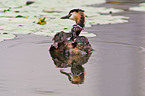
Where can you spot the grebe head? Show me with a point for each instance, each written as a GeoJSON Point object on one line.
{"type": "Point", "coordinates": [77, 15]}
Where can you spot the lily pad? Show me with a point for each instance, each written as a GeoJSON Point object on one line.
{"type": "Point", "coordinates": [20, 16]}
{"type": "Point", "coordinates": [87, 34]}
{"type": "Point", "coordinates": [29, 2]}
{"type": "Point", "coordinates": [51, 11]}
{"type": "Point", "coordinates": [7, 9]}
{"type": "Point", "coordinates": [15, 22]}
{"type": "Point", "coordinates": [141, 7]}
{"type": "Point", "coordinates": [6, 36]}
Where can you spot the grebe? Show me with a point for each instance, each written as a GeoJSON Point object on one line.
{"type": "Point", "coordinates": [79, 17]}
{"type": "Point", "coordinates": [72, 43]}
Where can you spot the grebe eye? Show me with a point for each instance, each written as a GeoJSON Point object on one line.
{"type": "Point", "coordinates": [70, 14]}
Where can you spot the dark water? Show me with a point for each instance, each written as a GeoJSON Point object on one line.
{"type": "Point", "coordinates": [116, 67]}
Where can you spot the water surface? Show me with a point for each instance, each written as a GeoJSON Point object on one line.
{"type": "Point", "coordinates": [116, 67]}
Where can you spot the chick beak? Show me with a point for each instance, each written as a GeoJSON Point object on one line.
{"type": "Point", "coordinates": [65, 17]}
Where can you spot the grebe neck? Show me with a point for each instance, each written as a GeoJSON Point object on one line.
{"type": "Point", "coordinates": [81, 20]}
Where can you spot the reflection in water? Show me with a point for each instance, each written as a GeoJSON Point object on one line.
{"type": "Point", "coordinates": [77, 74]}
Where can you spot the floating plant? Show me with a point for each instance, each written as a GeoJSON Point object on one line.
{"type": "Point", "coordinates": [15, 22]}
{"type": "Point", "coordinates": [41, 21]}
{"type": "Point", "coordinates": [7, 9]}
{"type": "Point", "coordinates": [20, 16]}
{"type": "Point", "coordinates": [141, 7]}
{"type": "Point", "coordinates": [5, 36]}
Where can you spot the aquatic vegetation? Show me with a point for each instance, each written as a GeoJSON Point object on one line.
{"type": "Point", "coordinates": [141, 7]}
{"type": "Point", "coordinates": [42, 21]}
{"type": "Point", "coordinates": [29, 2]}
{"type": "Point", "coordinates": [51, 11]}
{"type": "Point", "coordinates": [5, 36]}
{"type": "Point", "coordinates": [15, 18]}
{"type": "Point", "coordinates": [5, 10]}
{"type": "Point", "coordinates": [20, 16]}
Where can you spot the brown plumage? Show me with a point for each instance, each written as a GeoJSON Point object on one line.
{"type": "Point", "coordinates": [71, 43]}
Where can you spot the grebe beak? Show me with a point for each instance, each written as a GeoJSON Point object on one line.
{"type": "Point", "coordinates": [65, 17]}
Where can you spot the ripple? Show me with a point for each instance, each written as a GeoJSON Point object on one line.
{"type": "Point", "coordinates": [46, 92]}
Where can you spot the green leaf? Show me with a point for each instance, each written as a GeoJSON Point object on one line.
{"type": "Point", "coordinates": [5, 33]}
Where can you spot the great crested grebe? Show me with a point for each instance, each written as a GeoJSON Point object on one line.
{"type": "Point", "coordinates": [71, 42]}
{"type": "Point", "coordinates": [79, 17]}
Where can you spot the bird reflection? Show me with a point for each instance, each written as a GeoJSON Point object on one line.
{"type": "Point", "coordinates": [77, 75]}
{"type": "Point", "coordinates": [77, 72]}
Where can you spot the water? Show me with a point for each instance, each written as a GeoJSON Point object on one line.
{"type": "Point", "coordinates": [115, 68]}
{"type": "Point", "coordinates": [27, 68]}
{"type": "Point", "coordinates": [121, 52]}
